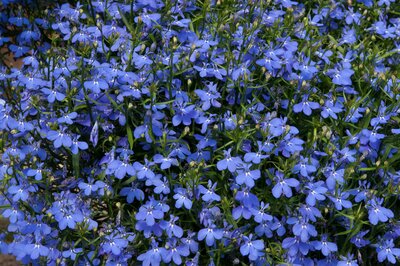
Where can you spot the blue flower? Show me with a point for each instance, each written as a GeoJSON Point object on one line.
{"type": "Point", "coordinates": [78, 145]}
{"type": "Point", "coordinates": [260, 215]}
{"type": "Point", "coordinates": [309, 212]}
{"type": "Point", "coordinates": [283, 185]}
{"type": "Point", "coordinates": [209, 97]}
{"type": "Point", "coordinates": [91, 187]}
{"type": "Point", "coordinates": [209, 194]}
{"type": "Point", "coordinates": [290, 145]}
{"type": "Point", "coordinates": [144, 170]}
{"type": "Point", "coordinates": [210, 234]}
{"type": "Point", "coordinates": [341, 77]}
{"type": "Point", "coordinates": [175, 251]}
{"type": "Point", "coordinates": [171, 228]}
{"type": "Point", "coordinates": [251, 248]}
{"type": "Point", "coordinates": [377, 213]}
{"type": "Point", "coordinates": [305, 106]}
{"type": "Point", "coordinates": [183, 114]}
{"type": "Point", "coordinates": [132, 193]}
{"type": "Point", "coordinates": [20, 192]}
{"type": "Point", "coordinates": [264, 229]}
{"type": "Point", "coordinates": [59, 138]}
{"type": "Point", "coordinates": [302, 228]}
{"type": "Point", "coordinates": [165, 162]}
{"type": "Point", "coordinates": [247, 176]}
{"type": "Point", "coordinates": [114, 243]}
{"type": "Point", "coordinates": [340, 200]}
{"type": "Point", "coordinates": [295, 246]}
{"type": "Point", "coordinates": [121, 168]}
{"type": "Point", "coordinates": [304, 167]}
{"type": "Point", "coordinates": [316, 191]}
{"type": "Point", "coordinates": [248, 199]}
{"type": "Point", "coordinates": [182, 198]}
{"type": "Point", "coordinates": [153, 256]}
{"type": "Point", "coordinates": [347, 261]}
{"type": "Point", "coordinates": [359, 240]}
{"type": "Point", "coordinates": [229, 162]}
{"type": "Point", "coordinates": [256, 157]}
{"type": "Point", "coordinates": [387, 251]}
{"type": "Point", "coordinates": [325, 246]}
{"type": "Point", "coordinates": [149, 213]}
{"type": "Point", "coordinates": [241, 211]}
{"type": "Point", "coordinates": [37, 250]}
{"type": "Point", "coordinates": [94, 134]}
{"type": "Point", "coordinates": [53, 95]}
{"type": "Point", "coordinates": [161, 186]}
{"type": "Point", "coordinates": [330, 110]}
{"type": "Point", "coordinates": [334, 176]}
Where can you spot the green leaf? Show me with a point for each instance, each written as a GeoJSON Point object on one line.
{"type": "Point", "coordinates": [75, 164]}
{"type": "Point", "coordinates": [130, 136]}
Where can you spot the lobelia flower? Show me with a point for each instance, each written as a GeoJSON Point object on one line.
{"type": "Point", "coordinates": [241, 211]}
{"type": "Point", "coordinates": [190, 242]}
{"type": "Point", "coordinates": [121, 168]}
{"type": "Point", "coordinates": [283, 185]}
{"type": "Point", "coordinates": [341, 77]}
{"type": "Point", "coordinates": [161, 186]}
{"type": "Point", "coordinates": [359, 241]}
{"type": "Point", "coordinates": [37, 173]}
{"type": "Point", "coordinates": [209, 97]}
{"type": "Point", "coordinates": [91, 186]}
{"type": "Point", "coordinates": [260, 215]}
{"type": "Point", "coordinates": [209, 194]}
{"type": "Point", "coordinates": [171, 228]}
{"type": "Point", "coordinates": [165, 162]}
{"type": "Point", "coordinates": [53, 95]}
{"type": "Point", "coordinates": [143, 170]}
{"type": "Point", "coordinates": [316, 191]}
{"type": "Point", "coordinates": [340, 200]}
{"type": "Point", "coordinates": [154, 255]}
{"type": "Point", "coordinates": [304, 167]}
{"type": "Point", "coordinates": [229, 162]}
{"type": "Point", "coordinates": [290, 145]}
{"type": "Point", "coordinates": [176, 251]}
{"type": "Point", "coordinates": [347, 261]}
{"type": "Point", "coordinates": [309, 212]}
{"type": "Point", "coordinates": [20, 192]}
{"type": "Point", "coordinates": [182, 198]}
{"type": "Point", "coordinates": [248, 199]}
{"type": "Point", "coordinates": [251, 248]}
{"type": "Point", "coordinates": [247, 176]}
{"type": "Point", "coordinates": [132, 193]}
{"type": "Point", "coordinates": [37, 250]}
{"type": "Point", "coordinates": [149, 212]}
{"type": "Point", "coordinates": [211, 234]}
{"type": "Point", "coordinates": [183, 114]}
{"type": "Point", "coordinates": [334, 176]}
{"type": "Point", "coordinates": [94, 134]}
{"type": "Point", "coordinates": [325, 246]}
{"type": "Point", "coordinates": [264, 229]}
{"type": "Point", "coordinates": [78, 145]}
{"type": "Point", "coordinates": [377, 213]}
{"type": "Point", "coordinates": [305, 106]}
{"type": "Point", "coordinates": [387, 251]}
{"type": "Point", "coordinates": [59, 138]}
{"type": "Point", "coordinates": [295, 246]}
{"type": "Point", "coordinates": [256, 157]}
{"type": "Point", "coordinates": [302, 228]}
{"type": "Point", "coordinates": [114, 243]}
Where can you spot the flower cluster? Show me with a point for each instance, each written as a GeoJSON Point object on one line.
{"type": "Point", "coordinates": [192, 132]}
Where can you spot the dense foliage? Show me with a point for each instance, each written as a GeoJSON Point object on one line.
{"type": "Point", "coordinates": [200, 132]}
